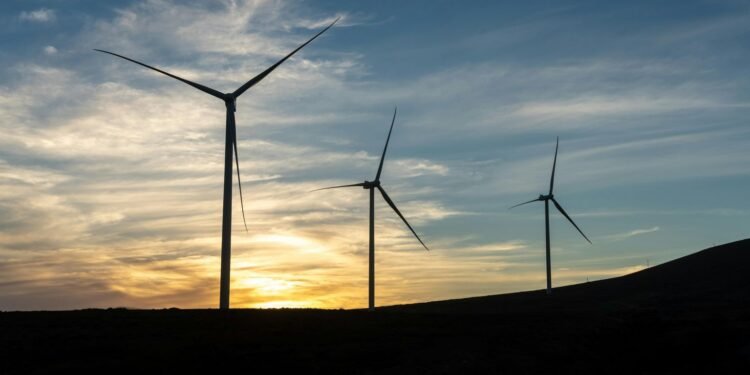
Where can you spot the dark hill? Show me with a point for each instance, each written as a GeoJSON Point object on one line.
{"type": "Point", "coordinates": [713, 278]}
{"type": "Point", "coordinates": [690, 315]}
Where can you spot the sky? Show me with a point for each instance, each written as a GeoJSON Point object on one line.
{"type": "Point", "coordinates": [111, 175]}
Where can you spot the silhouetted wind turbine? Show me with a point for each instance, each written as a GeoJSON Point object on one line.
{"type": "Point", "coordinates": [546, 199]}
{"type": "Point", "coordinates": [372, 185]}
{"type": "Point", "coordinates": [230, 101]}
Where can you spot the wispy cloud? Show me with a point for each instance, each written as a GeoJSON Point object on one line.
{"type": "Point", "coordinates": [678, 212]}
{"type": "Point", "coordinates": [632, 233]}
{"type": "Point", "coordinates": [39, 15]}
{"type": "Point", "coordinates": [599, 106]}
{"type": "Point", "coordinates": [124, 144]}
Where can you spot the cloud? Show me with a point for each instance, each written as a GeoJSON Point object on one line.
{"type": "Point", "coordinates": [624, 213]}
{"type": "Point", "coordinates": [118, 144]}
{"type": "Point", "coordinates": [346, 19]}
{"type": "Point", "coordinates": [632, 233]}
{"type": "Point", "coordinates": [599, 106]}
{"type": "Point", "coordinates": [50, 50]}
{"type": "Point", "coordinates": [39, 15]}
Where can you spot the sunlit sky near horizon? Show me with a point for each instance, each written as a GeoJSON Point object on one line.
{"type": "Point", "coordinates": [111, 175]}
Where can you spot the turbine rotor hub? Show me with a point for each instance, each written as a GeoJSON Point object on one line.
{"type": "Point", "coordinates": [370, 184]}
{"type": "Point", "coordinates": [230, 101]}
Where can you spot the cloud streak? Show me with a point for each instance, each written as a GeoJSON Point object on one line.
{"type": "Point", "coordinates": [39, 15]}
{"type": "Point", "coordinates": [632, 233]}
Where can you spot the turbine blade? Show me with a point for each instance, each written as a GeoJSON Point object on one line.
{"type": "Point", "coordinates": [198, 86]}
{"type": "Point", "coordinates": [382, 158]}
{"type": "Point", "coordinates": [252, 82]}
{"type": "Point", "coordinates": [393, 206]}
{"type": "Point", "coordinates": [554, 163]}
{"type": "Point", "coordinates": [521, 204]}
{"type": "Point", "coordinates": [239, 180]}
{"type": "Point", "coordinates": [562, 211]}
{"type": "Point", "coordinates": [339, 186]}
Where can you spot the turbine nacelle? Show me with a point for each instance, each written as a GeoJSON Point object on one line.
{"type": "Point", "coordinates": [230, 101]}
{"type": "Point", "coordinates": [547, 197]}
{"type": "Point", "coordinates": [370, 184]}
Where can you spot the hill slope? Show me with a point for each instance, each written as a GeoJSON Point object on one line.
{"type": "Point", "coordinates": [714, 277]}
{"type": "Point", "coordinates": [687, 316]}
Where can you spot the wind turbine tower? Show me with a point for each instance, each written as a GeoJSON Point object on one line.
{"type": "Point", "coordinates": [372, 186]}
{"type": "Point", "coordinates": [230, 102]}
{"type": "Point", "coordinates": [546, 199]}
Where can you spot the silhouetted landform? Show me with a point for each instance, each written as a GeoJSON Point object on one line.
{"type": "Point", "coordinates": [712, 278]}
{"type": "Point", "coordinates": [691, 315]}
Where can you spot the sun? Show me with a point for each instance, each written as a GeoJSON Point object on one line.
{"type": "Point", "coordinates": [269, 286]}
{"type": "Point", "coordinates": [280, 305]}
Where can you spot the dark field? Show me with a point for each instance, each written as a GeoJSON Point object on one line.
{"type": "Point", "coordinates": [691, 315]}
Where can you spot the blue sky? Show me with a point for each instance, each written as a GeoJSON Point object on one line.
{"type": "Point", "coordinates": [110, 176]}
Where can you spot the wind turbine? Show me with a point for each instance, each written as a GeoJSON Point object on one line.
{"type": "Point", "coordinates": [546, 199]}
{"type": "Point", "coordinates": [230, 101]}
{"type": "Point", "coordinates": [372, 185]}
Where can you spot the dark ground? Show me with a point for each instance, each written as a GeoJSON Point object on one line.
{"type": "Point", "coordinates": [691, 315]}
